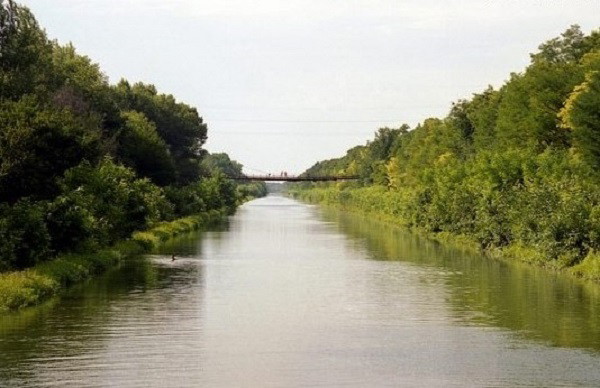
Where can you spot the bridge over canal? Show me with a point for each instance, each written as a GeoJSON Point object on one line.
{"type": "Point", "coordinates": [290, 178]}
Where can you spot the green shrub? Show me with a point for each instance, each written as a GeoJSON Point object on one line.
{"type": "Point", "coordinates": [24, 235]}
{"type": "Point", "coordinates": [118, 203]}
{"type": "Point", "coordinates": [69, 223]}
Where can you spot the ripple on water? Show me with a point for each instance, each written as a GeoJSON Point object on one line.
{"type": "Point", "coordinates": [291, 296]}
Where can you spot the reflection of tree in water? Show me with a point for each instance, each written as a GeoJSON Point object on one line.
{"type": "Point", "coordinates": [190, 244]}
{"type": "Point", "coordinates": [537, 303]}
{"type": "Point", "coordinates": [81, 321]}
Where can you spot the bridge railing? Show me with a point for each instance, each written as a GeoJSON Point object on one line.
{"type": "Point", "coordinates": [294, 178]}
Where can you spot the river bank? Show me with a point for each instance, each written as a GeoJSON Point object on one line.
{"type": "Point", "coordinates": [32, 286]}
{"type": "Point", "coordinates": [289, 294]}
{"type": "Point", "coordinates": [385, 205]}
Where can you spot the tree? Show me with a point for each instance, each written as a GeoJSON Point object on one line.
{"type": "Point", "coordinates": [141, 148]}
{"type": "Point", "coordinates": [581, 115]}
{"type": "Point", "coordinates": [221, 163]}
{"type": "Point", "coordinates": [79, 84]}
{"type": "Point", "coordinates": [569, 47]}
{"type": "Point", "coordinates": [118, 201]}
{"type": "Point", "coordinates": [529, 104]}
{"type": "Point", "coordinates": [178, 124]}
{"type": "Point", "coordinates": [381, 146]}
{"type": "Point", "coordinates": [25, 53]}
{"type": "Point", "coordinates": [459, 118]}
{"type": "Point", "coordinates": [482, 112]}
{"type": "Point", "coordinates": [37, 145]}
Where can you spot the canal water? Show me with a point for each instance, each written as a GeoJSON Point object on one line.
{"type": "Point", "coordinates": [287, 294]}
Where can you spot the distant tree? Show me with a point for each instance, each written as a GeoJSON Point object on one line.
{"type": "Point", "coordinates": [213, 164]}
{"type": "Point", "coordinates": [381, 146]}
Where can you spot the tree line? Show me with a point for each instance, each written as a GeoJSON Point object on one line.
{"type": "Point", "coordinates": [515, 168]}
{"type": "Point", "coordinates": [84, 163]}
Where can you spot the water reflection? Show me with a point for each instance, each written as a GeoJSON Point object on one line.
{"type": "Point", "coordinates": [73, 334]}
{"type": "Point", "coordinates": [537, 303]}
{"type": "Point", "coordinates": [286, 294]}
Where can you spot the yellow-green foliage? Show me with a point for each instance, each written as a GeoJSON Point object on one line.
{"type": "Point", "coordinates": [514, 169]}
{"type": "Point", "coordinates": [165, 230]}
{"type": "Point", "coordinates": [146, 239]}
{"type": "Point", "coordinates": [520, 252]}
{"type": "Point", "coordinates": [24, 288]}
{"type": "Point", "coordinates": [377, 200]}
{"type": "Point", "coordinates": [589, 268]}
{"type": "Point", "coordinates": [399, 207]}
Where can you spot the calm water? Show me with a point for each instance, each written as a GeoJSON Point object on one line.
{"type": "Point", "coordinates": [287, 294]}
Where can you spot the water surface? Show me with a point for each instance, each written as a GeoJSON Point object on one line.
{"type": "Point", "coordinates": [288, 294]}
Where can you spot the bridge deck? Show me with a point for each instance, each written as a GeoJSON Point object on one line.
{"type": "Point", "coordinates": [277, 178]}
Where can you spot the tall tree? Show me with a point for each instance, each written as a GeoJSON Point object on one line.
{"type": "Point", "coordinates": [37, 145]}
{"type": "Point", "coordinates": [581, 114]}
{"type": "Point", "coordinates": [178, 124]}
{"type": "Point", "coordinates": [141, 148]}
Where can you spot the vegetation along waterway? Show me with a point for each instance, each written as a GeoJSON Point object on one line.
{"type": "Point", "coordinates": [291, 294]}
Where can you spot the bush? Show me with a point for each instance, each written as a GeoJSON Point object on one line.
{"type": "Point", "coordinates": [24, 235]}
{"type": "Point", "coordinates": [186, 200]}
{"type": "Point", "coordinates": [69, 223]}
{"type": "Point", "coordinates": [251, 190]}
{"type": "Point", "coordinates": [212, 193]}
{"type": "Point", "coordinates": [117, 202]}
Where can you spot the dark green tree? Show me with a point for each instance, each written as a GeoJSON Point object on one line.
{"type": "Point", "coordinates": [178, 124]}
{"type": "Point", "coordinates": [141, 148]}
{"type": "Point", "coordinates": [25, 53]}
{"type": "Point", "coordinates": [37, 145]}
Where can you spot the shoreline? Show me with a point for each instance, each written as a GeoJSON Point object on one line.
{"type": "Point", "coordinates": [587, 269]}
{"type": "Point", "coordinates": [32, 286]}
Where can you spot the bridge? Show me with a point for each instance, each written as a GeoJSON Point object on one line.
{"type": "Point", "coordinates": [290, 178]}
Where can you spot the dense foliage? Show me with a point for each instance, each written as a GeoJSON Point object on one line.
{"type": "Point", "coordinates": [84, 163]}
{"type": "Point", "coordinates": [515, 168]}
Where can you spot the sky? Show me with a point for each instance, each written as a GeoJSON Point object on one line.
{"type": "Point", "coordinates": [285, 83]}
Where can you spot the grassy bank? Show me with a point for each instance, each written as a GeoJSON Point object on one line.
{"type": "Point", "coordinates": [29, 287]}
{"type": "Point", "coordinates": [390, 206]}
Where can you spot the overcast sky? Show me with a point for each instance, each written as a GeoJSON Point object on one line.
{"type": "Point", "coordinates": [285, 83]}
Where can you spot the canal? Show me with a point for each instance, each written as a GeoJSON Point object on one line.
{"type": "Point", "coordinates": [289, 294]}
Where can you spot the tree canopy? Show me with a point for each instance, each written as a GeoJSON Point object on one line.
{"type": "Point", "coordinates": [84, 162]}
{"type": "Point", "coordinates": [516, 166]}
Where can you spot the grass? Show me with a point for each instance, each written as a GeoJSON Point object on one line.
{"type": "Point", "coordinates": [29, 287]}
{"type": "Point", "coordinates": [24, 288]}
